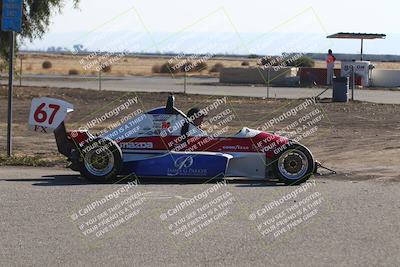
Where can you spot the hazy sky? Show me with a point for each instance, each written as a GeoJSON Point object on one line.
{"type": "Point", "coordinates": [224, 16]}
{"type": "Point", "coordinates": [247, 16]}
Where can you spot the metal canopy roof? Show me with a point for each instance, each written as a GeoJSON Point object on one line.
{"type": "Point", "coordinates": [352, 35]}
{"type": "Point", "coordinates": [361, 36]}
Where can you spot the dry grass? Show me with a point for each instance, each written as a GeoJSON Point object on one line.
{"type": "Point", "coordinates": [131, 65]}
{"type": "Point", "coordinates": [61, 64]}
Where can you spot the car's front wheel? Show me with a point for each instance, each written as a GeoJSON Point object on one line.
{"type": "Point", "coordinates": [101, 161]}
{"type": "Point", "coordinates": [294, 165]}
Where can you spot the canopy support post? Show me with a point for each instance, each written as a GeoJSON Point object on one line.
{"type": "Point", "coordinates": [362, 48]}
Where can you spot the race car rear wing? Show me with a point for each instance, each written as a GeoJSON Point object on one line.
{"type": "Point", "coordinates": [47, 115]}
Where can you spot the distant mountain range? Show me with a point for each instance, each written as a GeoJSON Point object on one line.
{"type": "Point", "coordinates": [214, 43]}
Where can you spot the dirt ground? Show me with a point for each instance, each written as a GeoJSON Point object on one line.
{"type": "Point", "coordinates": [359, 140]}
{"type": "Point", "coordinates": [128, 65]}
{"type": "Point", "coordinates": [131, 65]}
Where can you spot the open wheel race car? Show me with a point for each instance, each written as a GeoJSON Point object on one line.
{"type": "Point", "coordinates": [152, 144]}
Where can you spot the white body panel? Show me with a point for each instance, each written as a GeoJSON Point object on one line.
{"type": "Point", "coordinates": [251, 165]}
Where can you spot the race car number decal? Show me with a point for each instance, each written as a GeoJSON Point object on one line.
{"type": "Point", "coordinates": [40, 114]}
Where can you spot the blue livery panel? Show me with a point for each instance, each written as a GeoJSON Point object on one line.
{"type": "Point", "coordinates": [180, 165]}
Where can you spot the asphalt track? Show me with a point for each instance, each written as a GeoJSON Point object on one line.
{"type": "Point", "coordinates": [206, 86]}
{"type": "Point", "coordinates": [355, 224]}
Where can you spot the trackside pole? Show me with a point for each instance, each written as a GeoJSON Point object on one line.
{"type": "Point", "coordinates": [184, 84]}
{"type": "Point", "coordinates": [353, 82]}
{"type": "Point", "coordinates": [10, 94]}
{"type": "Point", "coordinates": [20, 71]}
{"type": "Point", "coordinates": [101, 69]}
{"type": "Point", "coordinates": [268, 77]}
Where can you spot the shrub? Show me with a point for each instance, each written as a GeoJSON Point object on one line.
{"type": "Point", "coordinates": [156, 68]}
{"type": "Point", "coordinates": [302, 62]}
{"type": "Point", "coordinates": [168, 68]}
{"type": "Point", "coordinates": [73, 72]}
{"type": "Point", "coordinates": [47, 65]}
{"type": "Point", "coordinates": [187, 67]}
{"type": "Point", "coordinates": [106, 68]}
{"type": "Point", "coordinates": [199, 66]}
{"type": "Point", "coordinates": [290, 61]}
{"type": "Point", "coordinates": [245, 63]}
{"type": "Point", "coordinates": [269, 61]}
{"type": "Point", "coordinates": [217, 67]}
{"type": "Point", "coordinates": [175, 68]}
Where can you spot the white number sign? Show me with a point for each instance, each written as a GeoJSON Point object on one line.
{"type": "Point", "coordinates": [47, 114]}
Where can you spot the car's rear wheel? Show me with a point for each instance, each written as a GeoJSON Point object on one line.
{"type": "Point", "coordinates": [101, 161]}
{"type": "Point", "coordinates": [294, 165]}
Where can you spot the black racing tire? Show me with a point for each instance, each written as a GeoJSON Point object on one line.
{"type": "Point", "coordinates": [294, 165]}
{"type": "Point", "coordinates": [101, 161]}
